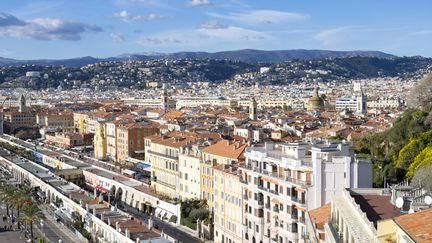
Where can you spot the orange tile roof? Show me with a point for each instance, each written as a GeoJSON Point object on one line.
{"type": "Point", "coordinates": [226, 149]}
{"type": "Point", "coordinates": [417, 225]}
{"type": "Point", "coordinates": [320, 215]}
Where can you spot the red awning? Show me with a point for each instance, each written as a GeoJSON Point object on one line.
{"type": "Point", "coordinates": [102, 189]}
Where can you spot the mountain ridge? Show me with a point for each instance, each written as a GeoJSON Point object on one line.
{"type": "Point", "coordinates": [243, 55]}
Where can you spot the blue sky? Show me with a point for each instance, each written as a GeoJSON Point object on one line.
{"type": "Point", "coordinates": [32, 29]}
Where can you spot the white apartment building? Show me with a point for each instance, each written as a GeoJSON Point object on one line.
{"type": "Point", "coordinates": [355, 103]}
{"type": "Point", "coordinates": [183, 102]}
{"type": "Point", "coordinates": [190, 175]}
{"type": "Point", "coordinates": [283, 181]}
{"type": "Point", "coordinates": [386, 102]}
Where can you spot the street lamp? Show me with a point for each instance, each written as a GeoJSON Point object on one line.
{"type": "Point", "coordinates": [41, 224]}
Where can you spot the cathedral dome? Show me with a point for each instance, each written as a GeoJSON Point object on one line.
{"type": "Point", "coordinates": [315, 103]}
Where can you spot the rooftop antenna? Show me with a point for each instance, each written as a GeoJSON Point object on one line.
{"type": "Point", "coordinates": [399, 202]}
{"type": "Point", "coordinates": [428, 200]}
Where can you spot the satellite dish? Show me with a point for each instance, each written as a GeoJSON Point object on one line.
{"type": "Point", "coordinates": [399, 202]}
{"type": "Point", "coordinates": [410, 211]}
{"type": "Point", "coordinates": [428, 200]}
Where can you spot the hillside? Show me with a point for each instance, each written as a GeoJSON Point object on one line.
{"type": "Point", "coordinates": [246, 55]}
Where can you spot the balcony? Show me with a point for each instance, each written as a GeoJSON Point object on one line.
{"type": "Point", "coordinates": [276, 209]}
{"type": "Point", "coordinates": [300, 201]}
{"type": "Point", "coordinates": [274, 174]}
{"type": "Point", "coordinates": [298, 181]}
{"type": "Point", "coordinates": [302, 220]}
{"type": "Point", "coordinates": [245, 197]}
{"type": "Point", "coordinates": [165, 156]}
{"type": "Point", "coordinates": [274, 192]}
{"type": "Point", "coordinates": [267, 205]}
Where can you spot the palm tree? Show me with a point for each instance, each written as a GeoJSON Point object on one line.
{"type": "Point", "coordinates": [6, 196]}
{"type": "Point", "coordinates": [20, 198]}
{"type": "Point", "coordinates": [31, 214]}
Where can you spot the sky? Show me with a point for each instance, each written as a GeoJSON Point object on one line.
{"type": "Point", "coordinates": [55, 29]}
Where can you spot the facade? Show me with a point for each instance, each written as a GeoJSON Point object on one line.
{"type": "Point", "coordinates": [63, 122]}
{"type": "Point", "coordinates": [282, 181]}
{"type": "Point", "coordinates": [100, 142]}
{"type": "Point", "coordinates": [80, 121]}
{"type": "Point", "coordinates": [354, 103]}
{"type": "Point", "coordinates": [223, 152]}
{"type": "Point", "coordinates": [130, 140]}
{"type": "Point", "coordinates": [253, 110]}
{"type": "Point", "coordinates": [386, 102]}
{"type": "Point", "coordinates": [184, 102]}
{"type": "Point", "coordinates": [67, 140]}
{"type": "Point", "coordinates": [14, 120]}
{"type": "Point", "coordinates": [228, 207]}
{"type": "Point", "coordinates": [163, 154]}
{"type": "Point", "coordinates": [190, 176]}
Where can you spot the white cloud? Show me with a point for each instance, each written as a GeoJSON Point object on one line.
{"type": "Point", "coordinates": [261, 16]}
{"type": "Point", "coordinates": [232, 33]}
{"type": "Point", "coordinates": [196, 3]}
{"type": "Point", "coordinates": [44, 28]}
{"type": "Point", "coordinates": [144, 40]}
{"type": "Point", "coordinates": [126, 16]}
{"type": "Point", "coordinates": [118, 37]}
{"type": "Point", "coordinates": [331, 37]}
{"type": "Point", "coordinates": [207, 33]}
{"type": "Point", "coordinates": [212, 25]}
{"type": "Point", "coordinates": [4, 52]}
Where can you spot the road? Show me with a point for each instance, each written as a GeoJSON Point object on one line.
{"type": "Point", "coordinates": [168, 229]}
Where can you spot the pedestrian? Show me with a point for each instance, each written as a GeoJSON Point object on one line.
{"type": "Point", "coordinates": [5, 227]}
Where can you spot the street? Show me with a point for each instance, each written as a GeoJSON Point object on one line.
{"type": "Point", "coordinates": [168, 229]}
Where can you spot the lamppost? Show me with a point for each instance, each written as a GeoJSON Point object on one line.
{"type": "Point", "coordinates": [41, 224]}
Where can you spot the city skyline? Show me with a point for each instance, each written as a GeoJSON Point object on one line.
{"type": "Point", "coordinates": [67, 29]}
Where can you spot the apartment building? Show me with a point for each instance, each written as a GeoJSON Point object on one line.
{"type": "Point", "coordinates": [223, 152]}
{"type": "Point", "coordinates": [282, 181]}
{"type": "Point", "coordinates": [80, 121]}
{"type": "Point", "coordinates": [14, 120]}
{"type": "Point", "coordinates": [190, 176]}
{"type": "Point", "coordinates": [100, 141]}
{"type": "Point", "coordinates": [111, 137]}
{"type": "Point", "coordinates": [163, 154]}
{"type": "Point", "coordinates": [130, 140]}
{"type": "Point", "coordinates": [228, 206]}
{"type": "Point", "coordinates": [62, 121]}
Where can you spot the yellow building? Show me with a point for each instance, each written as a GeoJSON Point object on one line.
{"type": "Point", "coordinates": [100, 142]}
{"type": "Point", "coordinates": [163, 154]}
{"type": "Point", "coordinates": [223, 152]}
{"type": "Point", "coordinates": [413, 227]}
{"type": "Point", "coordinates": [80, 121]}
{"type": "Point", "coordinates": [63, 121]}
{"type": "Point", "coordinates": [228, 208]}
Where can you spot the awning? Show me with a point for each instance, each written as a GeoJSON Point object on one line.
{"type": "Point", "coordinates": [269, 180]}
{"type": "Point", "coordinates": [102, 189]}
{"type": "Point", "coordinates": [299, 189]}
{"type": "Point", "coordinates": [300, 208]}
{"type": "Point", "coordinates": [275, 201]}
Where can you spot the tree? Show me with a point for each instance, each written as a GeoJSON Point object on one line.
{"type": "Point", "coordinates": [31, 214]}
{"type": "Point", "coordinates": [423, 177]}
{"type": "Point", "coordinates": [6, 196]}
{"type": "Point", "coordinates": [199, 213]}
{"type": "Point", "coordinates": [421, 94]}
{"type": "Point", "coordinates": [20, 198]}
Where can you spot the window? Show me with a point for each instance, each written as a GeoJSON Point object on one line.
{"type": "Point", "coordinates": [257, 228]}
